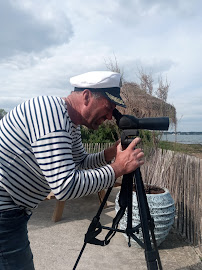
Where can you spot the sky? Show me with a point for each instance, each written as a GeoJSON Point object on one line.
{"type": "Point", "coordinates": [44, 43]}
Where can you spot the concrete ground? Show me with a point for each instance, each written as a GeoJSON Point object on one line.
{"type": "Point", "coordinates": [56, 246]}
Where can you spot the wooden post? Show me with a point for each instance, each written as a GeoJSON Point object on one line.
{"type": "Point", "coordinates": [101, 196]}
{"type": "Point", "coordinates": [200, 208]}
{"type": "Point", "coordinates": [59, 207]}
{"type": "Point", "coordinates": [58, 211]}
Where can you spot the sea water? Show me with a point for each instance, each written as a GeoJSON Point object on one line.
{"type": "Point", "coordinates": [181, 138]}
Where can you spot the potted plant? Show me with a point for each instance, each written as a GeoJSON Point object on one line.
{"type": "Point", "coordinates": [162, 209]}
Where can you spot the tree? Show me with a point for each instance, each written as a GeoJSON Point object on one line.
{"type": "Point", "coordinates": [107, 132]}
{"type": "Point", "coordinates": [2, 113]}
{"type": "Point", "coordinates": [162, 89]}
{"type": "Point", "coordinates": [146, 81]}
{"type": "Point", "coordinates": [113, 66]}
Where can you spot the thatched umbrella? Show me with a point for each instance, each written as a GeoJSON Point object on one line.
{"type": "Point", "coordinates": [140, 104]}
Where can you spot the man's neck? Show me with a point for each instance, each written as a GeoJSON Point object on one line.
{"type": "Point", "coordinates": [73, 109]}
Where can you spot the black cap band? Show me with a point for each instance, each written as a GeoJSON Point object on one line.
{"type": "Point", "coordinates": [111, 93]}
{"type": "Point", "coordinates": [116, 89]}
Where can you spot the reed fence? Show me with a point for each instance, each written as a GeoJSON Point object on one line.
{"type": "Point", "coordinates": [96, 147]}
{"type": "Point", "coordinates": [182, 175]}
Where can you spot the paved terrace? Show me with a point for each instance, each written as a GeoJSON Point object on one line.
{"type": "Point", "coordinates": [56, 246]}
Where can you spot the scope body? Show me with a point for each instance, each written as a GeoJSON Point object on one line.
{"type": "Point", "coordinates": [131, 122]}
{"type": "Point", "coordinates": [156, 123]}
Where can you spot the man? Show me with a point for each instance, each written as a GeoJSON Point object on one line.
{"type": "Point", "coordinates": [41, 150]}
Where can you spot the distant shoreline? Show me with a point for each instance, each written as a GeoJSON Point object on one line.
{"type": "Point", "coordinates": [183, 137]}
{"type": "Point", "coordinates": [182, 133]}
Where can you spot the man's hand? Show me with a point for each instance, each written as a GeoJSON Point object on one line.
{"type": "Point", "coordinates": [110, 153]}
{"type": "Point", "coordinates": [128, 160]}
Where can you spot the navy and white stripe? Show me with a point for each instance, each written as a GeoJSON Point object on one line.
{"type": "Point", "coordinates": [41, 150]}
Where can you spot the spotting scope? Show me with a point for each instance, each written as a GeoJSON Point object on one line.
{"type": "Point", "coordinates": [131, 122]}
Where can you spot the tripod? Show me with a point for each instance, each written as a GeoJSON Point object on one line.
{"type": "Point", "coordinates": [146, 221]}
{"type": "Point", "coordinates": [125, 199]}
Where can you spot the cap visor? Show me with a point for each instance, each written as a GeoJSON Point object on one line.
{"type": "Point", "coordinates": [115, 99]}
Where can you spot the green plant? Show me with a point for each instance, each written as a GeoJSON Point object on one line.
{"type": "Point", "coordinates": [105, 133]}
{"type": "Point", "coordinates": [2, 113]}
{"type": "Point", "coordinates": [183, 148]}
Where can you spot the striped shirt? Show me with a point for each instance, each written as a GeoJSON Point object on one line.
{"type": "Point", "coordinates": [41, 150]}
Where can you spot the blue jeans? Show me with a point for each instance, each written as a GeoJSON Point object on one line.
{"type": "Point", "coordinates": [15, 252]}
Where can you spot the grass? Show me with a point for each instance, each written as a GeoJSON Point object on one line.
{"type": "Point", "coordinates": [189, 149]}
{"type": "Point", "coordinates": [152, 139]}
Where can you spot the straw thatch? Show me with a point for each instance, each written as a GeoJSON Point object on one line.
{"type": "Point", "coordinates": [141, 104]}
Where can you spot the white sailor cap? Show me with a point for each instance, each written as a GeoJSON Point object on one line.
{"type": "Point", "coordinates": [105, 82]}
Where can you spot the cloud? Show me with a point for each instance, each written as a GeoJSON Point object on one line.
{"type": "Point", "coordinates": [44, 43]}
{"type": "Point", "coordinates": [21, 31]}
{"type": "Point", "coordinates": [27, 75]}
{"type": "Point", "coordinates": [10, 102]}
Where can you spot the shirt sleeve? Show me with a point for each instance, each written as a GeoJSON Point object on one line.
{"type": "Point", "coordinates": [82, 159]}
{"type": "Point", "coordinates": [53, 153]}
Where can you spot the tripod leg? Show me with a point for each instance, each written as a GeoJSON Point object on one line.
{"type": "Point", "coordinates": [94, 229]}
{"type": "Point", "coordinates": [129, 205]}
{"type": "Point", "coordinates": [151, 255]}
{"type": "Point", "coordinates": [80, 254]}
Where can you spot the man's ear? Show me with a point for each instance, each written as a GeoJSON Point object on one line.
{"type": "Point", "coordinates": [87, 95]}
